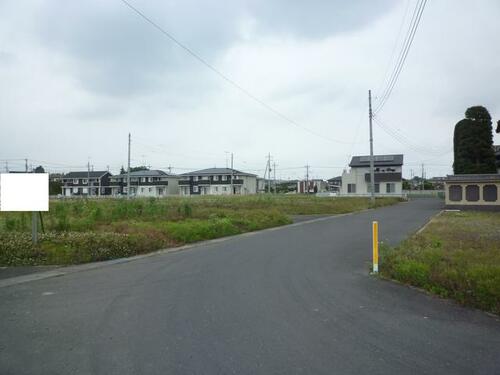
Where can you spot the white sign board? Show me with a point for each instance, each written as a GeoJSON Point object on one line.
{"type": "Point", "coordinates": [24, 192]}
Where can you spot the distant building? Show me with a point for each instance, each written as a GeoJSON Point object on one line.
{"type": "Point", "coordinates": [473, 191]}
{"type": "Point", "coordinates": [217, 181]}
{"type": "Point", "coordinates": [388, 176]}
{"type": "Point", "coordinates": [311, 186]}
{"type": "Point", "coordinates": [335, 184]}
{"type": "Point", "coordinates": [94, 183]}
{"type": "Point", "coordinates": [147, 183]}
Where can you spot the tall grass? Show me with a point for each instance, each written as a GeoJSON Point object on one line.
{"type": "Point", "coordinates": [89, 230]}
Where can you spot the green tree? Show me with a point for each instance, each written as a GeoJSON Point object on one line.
{"type": "Point", "coordinates": [473, 143]}
{"type": "Point", "coordinates": [39, 169]}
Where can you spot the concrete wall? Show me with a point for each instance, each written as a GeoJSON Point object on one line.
{"type": "Point", "coordinates": [464, 201]}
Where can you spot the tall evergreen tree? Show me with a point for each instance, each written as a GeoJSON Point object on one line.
{"type": "Point", "coordinates": [473, 143]}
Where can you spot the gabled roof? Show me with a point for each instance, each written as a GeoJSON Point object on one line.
{"type": "Point", "coordinates": [149, 173]}
{"type": "Point", "coordinates": [379, 160]}
{"type": "Point", "coordinates": [85, 174]}
{"type": "Point", "coordinates": [217, 171]}
{"type": "Point", "coordinates": [338, 178]}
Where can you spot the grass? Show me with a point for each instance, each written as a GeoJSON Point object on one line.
{"type": "Point", "coordinates": [79, 231]}
{"type": "Point", "coordinates": [456, 256]}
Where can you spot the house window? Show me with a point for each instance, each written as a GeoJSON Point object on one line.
{"type": "Point", "coordinates": [142, 190]}
{"type": "Point", "coordinates": [472, 193]}
{"type": "Point", "coordinates": [216, 178]}
{"type": "Point", "coordinates": [150, 189]}
{"type": "Point", "coordinates": [204, 178]}
{"type": "Point", "coordinates": [455, 193]}
{"type": "Point", "coordinates": [224, 188]}
{"type": "Point", "coordinates": [490, 193]}
{"type": "Point", "coordinates": [195, 189]}
{"type": "Point", "coordinates": [75, 190]}
{"type": "Point", "coordinates": [75, 181]}
{"type": "Point", "coordinates": [216, 188]}
{"type": "Point", "coordinates": [84, 182]}
{"type": "Point", "coordinates": [351, 188]}
{"type": "Point", "coordinates": [390, 187]}
{"type": "Point", "coordinates": [369, 188]}
{"type": "Point", "coordinates": [224, 178]}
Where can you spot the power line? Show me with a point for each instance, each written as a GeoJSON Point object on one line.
{"type": "Point", "coordinates": [410, 35]}
{"type": "Point", "coordinates": [225, 77]}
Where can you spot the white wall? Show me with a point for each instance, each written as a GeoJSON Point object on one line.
{"type": "Point", "coordinates": [356, 176]}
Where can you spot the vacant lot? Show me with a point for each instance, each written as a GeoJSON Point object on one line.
{"type": "Point", "coordinates": [78, 231]}
{"type": "Point", "coordinates": [457, 256]}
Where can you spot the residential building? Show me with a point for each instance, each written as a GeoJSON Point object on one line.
{"type": "Point", "coordinates": [148, 183]}
{"type": "Point", "coordinates": [335, 184]}
{"type": "Point", "coordinates": [388, 176]}
{"type": "Point", "coordinates": [311, 186]}
{"type": "Point", "coordinates": [217, 181]}
{"type": "Point", "coordinates": [93, 183]}
{"type": "Point", "coordinates": [473, 191]}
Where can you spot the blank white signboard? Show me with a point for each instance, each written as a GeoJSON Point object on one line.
{"type": "Point", "coordinates": [24, 192]}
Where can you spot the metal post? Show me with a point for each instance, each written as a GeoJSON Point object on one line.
{"type": "Point", "coordinates": [375, 246]}
{"type": "Point", "coordinates": [372, 161]}
{"type": "Point", "coordinates": [88, 179]}
{"type": "Point", "coordinates": [128, 169]}
{"type": "Point", "coordinates": [34, 227]}
{"type": "Point", "coordinates": [232, 174]}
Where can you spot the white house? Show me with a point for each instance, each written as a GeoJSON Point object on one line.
{"type": "Point", "coordinates": [149, 183]}
{"type": "Point", "coordinates": [88, 183]}
{"type": "Point", "coordinates": [388, 176]}
{"type": "Point", "coordinates": [217, 181]}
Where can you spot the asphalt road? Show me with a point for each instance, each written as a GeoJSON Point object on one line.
{"type": "Point", "coordinates": [296, 300]}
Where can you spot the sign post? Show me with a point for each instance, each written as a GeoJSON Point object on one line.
{"type": "Point", "coordinates": [375, 245]}
{"type": "Point", "coordinates": [34, 227]}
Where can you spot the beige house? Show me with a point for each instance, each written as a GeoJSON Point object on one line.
{"type": "Point", "coordinates": [473, 191]}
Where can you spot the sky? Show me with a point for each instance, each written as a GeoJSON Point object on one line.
{"type": "Point", "coordinates": [78, 76]}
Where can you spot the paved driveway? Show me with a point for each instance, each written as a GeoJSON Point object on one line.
{"type": "Point", "coordinates": [296, 300]}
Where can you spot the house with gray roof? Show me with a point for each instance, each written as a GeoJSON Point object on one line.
{"type": "Point", "coordinates": [147, 183]}
{"type": "Point", "coordinates": [218, 181]}
{"type": "Point", "coordinates": [388, 176]}
{"type": "Point", "coordinates": [88, 183]}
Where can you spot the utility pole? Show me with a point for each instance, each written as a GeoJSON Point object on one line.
{"type": "Point", "coordinates": [169, 169]}
{"type": "Point", "coordinates": [128, 169]}
{"type": "Point", "coordinates": [306, 188]}
{"type": "Point", "coordinates": [422, 185]}
{"type": "Point", "coordinates": [88, 178]}
{"type": "Point", "coordinates": [232, 174]}
{"type": "Point", "coordinates": [274, 176]}
{"type": "Point", "coordinates": [6, 166]}
{"type": "Point", "coordinates": [26, 165]}
{"type": "Point", "coordinates": [269, 173]}
{"type": "Point", "coordinates": [372, 161]}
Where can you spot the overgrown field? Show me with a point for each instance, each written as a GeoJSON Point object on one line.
{"type": "Point", "coordinates": [456, 256]}
{"type": "Point", "coordinates": [78, 231]}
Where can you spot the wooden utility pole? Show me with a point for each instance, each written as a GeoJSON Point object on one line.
{"type": "Point", "coordinates": [372, 161]}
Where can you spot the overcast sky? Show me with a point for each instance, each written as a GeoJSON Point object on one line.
{"type": "Point", "coordinates": [77, 76]}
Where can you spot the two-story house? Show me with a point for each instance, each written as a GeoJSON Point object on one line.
{"type": "Point", "coordinates": [94, 183]}
{"type": "Point", "coordinates": [388, 176]}
{"type": "Point", "coordinates": [149, 183]}
{"type": "Point", "coordinates": [217, 181]}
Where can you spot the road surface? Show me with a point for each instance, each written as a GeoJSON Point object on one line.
{"type": "Point", "coordinates": [296, 300]}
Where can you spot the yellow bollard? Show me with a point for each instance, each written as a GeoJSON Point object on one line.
{"type": "Point", "coordinates": [375, 246]}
